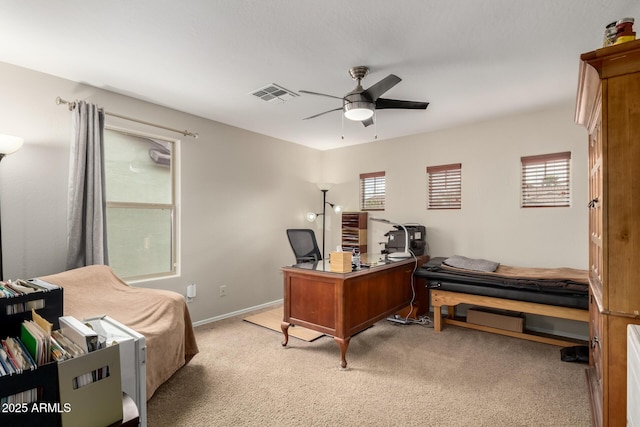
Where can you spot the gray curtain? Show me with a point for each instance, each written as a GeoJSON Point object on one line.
{"type": "Point", "coordinates": [87, 228]}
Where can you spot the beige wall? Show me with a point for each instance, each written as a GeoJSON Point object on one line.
{"type": "Point", "coordinates": [491, 223]}
{"type": "Point", "coordinates": [239, 191]}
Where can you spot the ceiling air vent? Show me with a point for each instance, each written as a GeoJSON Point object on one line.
{"type": "Point", "coordinates": [273, 92]}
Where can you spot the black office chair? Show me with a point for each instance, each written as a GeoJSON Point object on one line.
{"type": "Point", "coordinates": [304, 245]}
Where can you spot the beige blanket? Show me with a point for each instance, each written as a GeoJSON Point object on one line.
{"type": "Point", "coordinates": [161, 316]}
{"type": "Point", "coordinates": [561, 273]}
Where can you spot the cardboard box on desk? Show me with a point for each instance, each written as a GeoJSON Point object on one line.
{"type": "Point", "coordinates": [98, 403]}
{"type": "Point", "coordinates": [340, 262]}
{"type": "Point", "coordinates": [501, 319]}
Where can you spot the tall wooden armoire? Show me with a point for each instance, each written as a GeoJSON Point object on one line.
{"type": "Point", "coordinates": [608, 105]}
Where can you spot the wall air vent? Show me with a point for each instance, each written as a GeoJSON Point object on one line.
{"type": "Point", "coordinates": [273, 92]}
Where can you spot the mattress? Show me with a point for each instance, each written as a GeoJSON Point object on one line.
{"type": "Point", "coordinates": [565, 287]}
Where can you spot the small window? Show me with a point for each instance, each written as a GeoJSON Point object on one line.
{"type": "Point", "coordinates": [444, 186]}
{"type": "Point", "coordinates": [372, 191]}
{"type": "Point", "coordinates": [545, 180]}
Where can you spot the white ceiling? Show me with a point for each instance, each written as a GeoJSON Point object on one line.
{"type": "Point", "coordinates": [470, 59]}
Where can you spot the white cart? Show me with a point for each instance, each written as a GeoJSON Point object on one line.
{"type": "Point", "coordinates": [133, 359]}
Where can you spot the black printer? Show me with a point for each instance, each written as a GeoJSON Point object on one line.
{"type": "Point", "coordinates": [417, 239]}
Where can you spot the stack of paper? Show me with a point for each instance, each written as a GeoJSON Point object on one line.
{"type": "Point", "coordinates": [20, 287]}
{"type": "Point", "coordinates": [78, 338]}
{"type": "Point", "coordinates": [16, 356]}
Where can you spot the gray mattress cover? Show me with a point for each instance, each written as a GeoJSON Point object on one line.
{"type": "Point", "coordinates": [574, 295]}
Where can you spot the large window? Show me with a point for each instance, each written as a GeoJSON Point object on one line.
{"type": "Point", "coordinates": [545, 180]}
{"type": "Point", "coordinates": [141, 211]}
{"type": "Point", "coordinates": [372, 191]}
{"type": "Point", "coordinates": [444, 186]}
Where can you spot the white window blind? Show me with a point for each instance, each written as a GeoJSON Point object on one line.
{"type": "Point", "coordinates": [372, 191]}
{"type": "Point", "coordinates": [546, 180]}
{"type": "Point", "coordinates": [444, 186]}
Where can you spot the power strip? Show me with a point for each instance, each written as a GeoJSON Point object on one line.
{"type": "Point", "coordinates": [398, 319]}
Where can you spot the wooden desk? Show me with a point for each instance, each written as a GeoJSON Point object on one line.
{"type": "Point", "coordinates": [343, 304]}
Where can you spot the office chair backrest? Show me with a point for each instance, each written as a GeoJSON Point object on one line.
{"type": "Point", "coordinates": [304, 244]}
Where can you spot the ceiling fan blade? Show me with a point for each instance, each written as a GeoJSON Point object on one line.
{"type": "Point", "coordinates": [382, 103]}
{"type": "Point", "coordinates": [382, 86]}
{"type": "Point", "coordinates": [368, 122]}
{"type": "Point", "coordinates": [320, 94]}
{"type": "Point", "coordinates": [323, 113]}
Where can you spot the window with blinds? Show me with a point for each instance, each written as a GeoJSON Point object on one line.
{"type": "Point", "coordinates": [372, 191]}
{"type": "Point", "coordinates": [444, 184]}
{"type": "Point", "coordinates": [546, 180]}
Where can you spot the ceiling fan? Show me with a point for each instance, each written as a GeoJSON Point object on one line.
{"type": "Point", "coordinates": [360, 104]}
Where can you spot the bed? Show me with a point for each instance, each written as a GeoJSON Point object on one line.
{"type": "Point", "coordinates": [554, 292]}
{"type": "Point", "coordinates": [161, 316]}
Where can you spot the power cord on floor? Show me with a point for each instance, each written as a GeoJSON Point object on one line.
{"type": "Point", "coordinates": [424, 321]}
{"type": "Point", "coordinates": [406, 320]}
{"type": "Point", "coordinates": [421, 320]}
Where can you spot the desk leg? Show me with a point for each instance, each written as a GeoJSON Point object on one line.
{"type": "Point", "coordinates": [344, 344]}
{"type": "Point", "coordinates": [285, 330]}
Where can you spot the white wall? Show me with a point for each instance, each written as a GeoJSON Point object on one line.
{"type": "Point", "coordinates": [239, 191]}
{"type": "Point", "coordinates": [491, 223]}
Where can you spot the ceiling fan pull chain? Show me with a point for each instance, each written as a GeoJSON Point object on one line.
{"type": "Point", "coordinates": [342, 136]}
{"type": "Point", "coordinates": [375, 125]}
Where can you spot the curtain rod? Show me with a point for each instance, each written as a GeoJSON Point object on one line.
{"type": "Point", "coordinates": [72, 105]}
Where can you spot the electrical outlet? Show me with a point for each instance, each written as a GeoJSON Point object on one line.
{"type": "Point", "coordinates": [191, 292]}
{"type": "Point", "coordinates": [223, 291]}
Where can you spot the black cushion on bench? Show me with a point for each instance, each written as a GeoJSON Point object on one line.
{"type": "Point", "coordinates": [499, 287]}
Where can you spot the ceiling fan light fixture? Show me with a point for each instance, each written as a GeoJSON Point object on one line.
{"type": "Point", "coordinates": [359, 110]}
{"type": "Point", "coordinates": [361, 104]}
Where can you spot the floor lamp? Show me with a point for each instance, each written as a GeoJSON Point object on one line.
{"type": "Point", "coordinates": [8, 145]}
{"type": "Point", "coordinates": [312, 216]}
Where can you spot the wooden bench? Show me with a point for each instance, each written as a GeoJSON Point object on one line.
{"type": "Point", "coordinates": [451, 299]}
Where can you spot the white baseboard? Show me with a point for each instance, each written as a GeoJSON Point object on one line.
{"type": "Point", "coordinates": [238, 312]}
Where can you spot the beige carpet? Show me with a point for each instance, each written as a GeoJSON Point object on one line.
{"type": "Point", "coordinates": [272, 319]}
{"type": "Point", "coordinates": [398, 376]}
